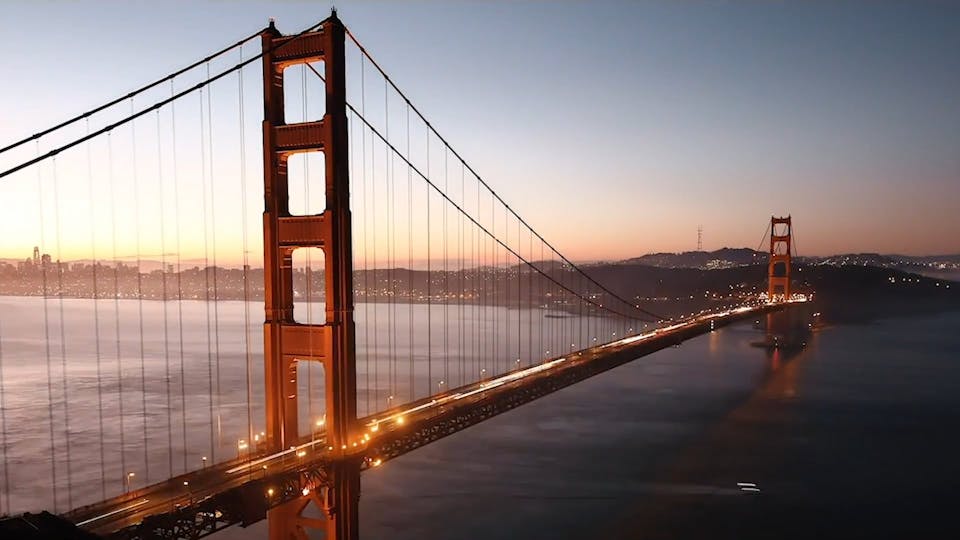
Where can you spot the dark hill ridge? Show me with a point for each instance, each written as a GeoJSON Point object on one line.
{"type": "Point", "coordinates": [843, 292]}
{"type": "Point", "coordinates": [935, 266]}
{"type": "Point", "coordinates": [721, 258]}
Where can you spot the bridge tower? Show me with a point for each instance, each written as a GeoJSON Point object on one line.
{"type": "Point", "coordinates": [287, 342]}
{"type": "Point", "coordinates": [780, 257]}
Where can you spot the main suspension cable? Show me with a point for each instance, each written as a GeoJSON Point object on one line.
{"type": "Point", "coordinates": [95, 110]}
{"type": "Point", "coordinates": [487, 186]}
{"type": "Point", "coordinates": [157, 105]}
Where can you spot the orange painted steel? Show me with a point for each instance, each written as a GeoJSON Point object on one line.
{"type": "Point", "coordinates": [780, 254]}
{"type": "Point", "coordinates": [287, 342]}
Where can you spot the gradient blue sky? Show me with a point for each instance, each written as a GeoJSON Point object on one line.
{"type": "Point", "coordinates": [615, 128]}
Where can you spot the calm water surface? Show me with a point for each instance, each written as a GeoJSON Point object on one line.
{"type": "Point", "coordinates": [95, 390]}
{"type": "Point", "coordinates": [852, 436]}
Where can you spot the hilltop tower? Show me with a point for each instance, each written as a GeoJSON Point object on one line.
{"type": "Point", "coordinates": [781, 232]}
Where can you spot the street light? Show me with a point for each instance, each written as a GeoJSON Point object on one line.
{"type": "Point", "coordinates": [389, 401]}
{"type": "Point", "coordinates": [127, 480]}
{"type": "Point", "coordinates": [204, 460]}
{"type": "Point", "coordinates": [440, 387]}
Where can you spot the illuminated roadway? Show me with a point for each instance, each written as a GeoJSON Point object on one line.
{"type": "Point", "coordinates": [131, 508]}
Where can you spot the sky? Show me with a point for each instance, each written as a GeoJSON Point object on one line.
{"type": "Point", "coordinates": [614, 128]}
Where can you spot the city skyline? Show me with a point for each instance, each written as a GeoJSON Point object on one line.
{"type": "Point", "coordinates": [860, 146]}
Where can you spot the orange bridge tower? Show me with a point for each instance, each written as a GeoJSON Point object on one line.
{"type": "Point", "coordinates": [781, 232]}
{"type": "Point", "coordinates": [287, 342]}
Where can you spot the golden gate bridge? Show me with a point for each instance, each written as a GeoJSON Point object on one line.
{"type": "Point", "coordinates": [169, 413]}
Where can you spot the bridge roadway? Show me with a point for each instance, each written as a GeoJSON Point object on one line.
{"type": "Point", "coordinates": [211, 495]}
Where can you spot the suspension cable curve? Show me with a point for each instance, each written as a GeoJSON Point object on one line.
{"type": "Point", "coordinates": [484, 183]}
{"type": "Point", "coordinates": [481, 227]}
{"type": "Point", "coordinates": [155, 106]}
{"type": "Point", "coordinates": [138, 91]}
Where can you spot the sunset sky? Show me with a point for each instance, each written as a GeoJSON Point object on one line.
{"type": "Point", "coordinates": [614, 128]}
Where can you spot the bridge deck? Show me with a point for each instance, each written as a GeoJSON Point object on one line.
{"type": "Point", "coordinates": [204, 501]}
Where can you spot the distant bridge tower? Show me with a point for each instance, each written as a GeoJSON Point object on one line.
{"type": "Point", "coordinates": [781, 232]}
{"type": "Point", "coordinates": [287, 342]}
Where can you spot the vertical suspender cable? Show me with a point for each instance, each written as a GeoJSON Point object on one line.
{"type": "Point", "coordinates": [376, 281]}
{"type": "Point", "coordinates": [63, 340]}
{"type": "Point", "coordinates": [163, 284]}
{"type": "Point", "coordinates": [446, 280]}
{"type": "Point", "coordinates": [388, 270]}
{"type": "Point", "coordinates": [391, 361]}
{"type": "Point", "coordinates": [530, 309]}
{"type": "Point", "coordinates": [46, 340]}
{"type": "Point", "coordinates": [248, 357]}
{"type": "Point", "coordinates": [507, 330]}
{"type": "Point", "coordinates": [392, 252]}
{"type": "Point", "coordinates": [410, 273]}
{"type": "Point", "coordinates": [213, 247]}
{"type": "Point", "coordinates": [495, 276]}
{"type": "Point", "coordinates": [429, 286]}
{"type": "Point", "coordinates": [540, 319]}
{"type": "Point", "coordinates": [116, 304]}
{"type": "Point", "coordinates": [176, 213]}
{"type": "Point", "coordinates": [460, 254]}
{"type": "Point", "coordinates": [387, 162]}
{"type": "Point", "coordinates": [206, 272]}
{"type": "Point", "coordinates": [519, 293]}
{"type": "Point", "coordinates": [480, 297]}
{"type": "Point", "coordinates": [96, 320]}
{"type": "Point", "coordinates": [143, 369]}
{"type": "Point", "coordinates": [580, 318]}
{"type": "Point", "coordinates": [371, 363]}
